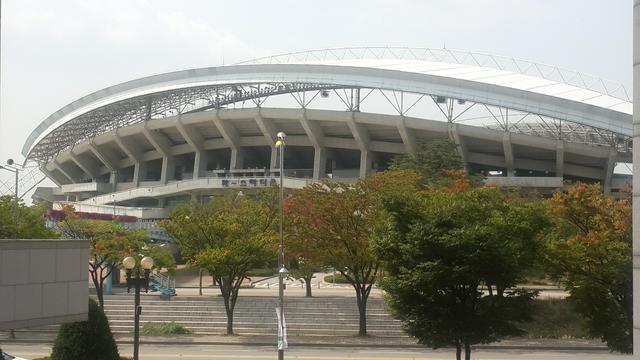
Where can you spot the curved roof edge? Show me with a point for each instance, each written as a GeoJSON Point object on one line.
{"type": "Point", "coordinates": [375, 73]}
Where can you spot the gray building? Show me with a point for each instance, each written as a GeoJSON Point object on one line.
{"type": "Point", "coordinates": [140, 147]}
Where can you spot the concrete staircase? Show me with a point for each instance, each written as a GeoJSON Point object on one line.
{"type": "Point", "coordinates": [320, 316]}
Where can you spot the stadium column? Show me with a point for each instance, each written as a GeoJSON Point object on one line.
{"type": "Point", "coordinates": [461, 148]}
{"type": "Point", "coordinates": [196, 141]}
{"type": "Point", "coordinates": [316, 138]}
{"type": "Point", "coordinates": [608, 171]}
{"type": "Point", "coordinates": [269, 132]}
{"type": "Point", "coordinates": [319, 162]}
{"type": "Point", "coordinates": [163, 145]}
{"type": "Point", "coordinates": [508, 153]}
{"type": "Point", "coordinates": [108, 159]}
{"type": "Point", "coordinates": [134, 152]}
{"type": "Point", "coordinates": [560, 158]}
{"type": "Point", "coordinates": [362, 138]}
{"type": "Point", "coordinates": [636, 178]}
{"type": "Point", "coordinates": [232, 138]}
{"type": "Point", "coordinates": [408, 137]}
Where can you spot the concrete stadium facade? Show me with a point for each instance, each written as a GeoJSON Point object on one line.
{"type": "Point", "coordinates": [141, 147]}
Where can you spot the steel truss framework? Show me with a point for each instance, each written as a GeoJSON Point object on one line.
{"type": "Point", "coordinates": [169, 103]}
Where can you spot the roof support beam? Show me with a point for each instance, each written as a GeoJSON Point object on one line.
{"type": "Point", "coordinates": [193, 138]}
{"type": "Point", "coordinates": [359, 133]}
{"type": "Point", "coordinates": [508, 154]}
{"type": "Point", "coordinates": [51, 175]}
{"type": "Point", "coordinates": [196, 141]}
{"type": "Point", "coordinates": [86, 166]}
{"type": "Point", "coordinates": [232, 138]}
{"type": "Point", "coordinates": [66, 172]}
{"type": "Point", "coordinates": [133, 151]}
{"type": "Point", "coordinates": [408, 137]}
{"type": "Point", "coordinates": [159, 141]}
{"type": "Point", "coordinates": [269, 132]}
{"type": "Point", "coordinates": [104, 156]}
{"type": "Point", "coordinates": [313, 130]}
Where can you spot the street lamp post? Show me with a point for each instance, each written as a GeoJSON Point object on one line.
{"type": "Point", "coordinates": [137, 277]}
{"type": "Point", "coordinates": [280, 144]}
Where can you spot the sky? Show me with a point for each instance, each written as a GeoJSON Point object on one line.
{"type": "Point", "coordinates": [53, 52]}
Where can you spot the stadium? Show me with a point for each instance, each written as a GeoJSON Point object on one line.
{"type": "Point", "coordinates": [139, 148]}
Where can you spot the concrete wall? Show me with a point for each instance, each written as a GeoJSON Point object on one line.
{"type": "Point", "coordinates": [43, 282]}
{"type": "Point", "coordinates": [636, 179]}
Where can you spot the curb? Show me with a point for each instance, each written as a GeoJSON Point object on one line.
{"type": "Point", "coordinates": [336, 345]}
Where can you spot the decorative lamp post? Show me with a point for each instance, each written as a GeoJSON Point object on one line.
{"type": "Point", "coordinates": [282, 336]}
{"type": "Point", "coordinates": [137, 277]}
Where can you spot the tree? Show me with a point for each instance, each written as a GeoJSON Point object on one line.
{"type": "Point", "coordinates": [228, 237]}
{"type": "Point", "coordinates": [91, 339]}
{"type": "Point", "coordinates": [441, 246]}
{"type": "Point", "coordinates": [338, 222]}
{"type": "Point", "coordinates": [109, 243]}
{"type": "Point", "coordinates": [30, 225]}
{"type": "Point", "coordinates": [589, 251]}
{"type": "Point", "coordinates": [300, 252]}
{"type": "Point", "coordinates": [433, 160]}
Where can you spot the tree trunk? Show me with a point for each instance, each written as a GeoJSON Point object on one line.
{"type": "Point", "coordinates": [362, 309]}
{"type": "Point", "coordinates": [98, 287]}
{"type": "Point", "coordinates": [229, 322]}
{"type": "Point", "coordinates": [200, 288]}
{"type": "Point", "coordinates": [458, 352]}
{"type": "Point", "coordinates": [467, 351]}
{"type": "Point", "coordinates": [307, 282]}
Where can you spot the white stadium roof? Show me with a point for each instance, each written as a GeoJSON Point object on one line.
{"type": "Point", "coordinates": [479, 78]}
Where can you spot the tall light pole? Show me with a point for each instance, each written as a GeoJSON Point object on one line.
{"type": "Point", "coordinates": [282, 336]}
{"type": "Point", "coordinates": [13, 167]}
{"type": "Point", "coordinates": [137, 277]}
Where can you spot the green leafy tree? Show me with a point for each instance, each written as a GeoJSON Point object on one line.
{"type": "Point", "coordinates": [91, 339]}
{"type": "Point", "coordinates": [109, 243]}
{"type": "Point", "coordinates": [228, 237]}
{"type": "Point", "coordinates": [433, 160]}
{"type": "Point", "coordinates": [441, 246]}
{"type": "Point", "coordinates": [30, 221]}
{"type": "Point", "coordinates": [338, 222]}
{"type": "Point", "coordinates": [589, 251]}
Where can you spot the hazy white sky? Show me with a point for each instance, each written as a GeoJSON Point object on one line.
{"type": "Point", "coordinates": [54, 52]}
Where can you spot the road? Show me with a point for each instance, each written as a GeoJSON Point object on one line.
{"type": "Point", "coordinates": [199, 352]}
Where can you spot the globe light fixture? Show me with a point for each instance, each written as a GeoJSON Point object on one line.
{"type": "Point", "coordinates": [137, 277]}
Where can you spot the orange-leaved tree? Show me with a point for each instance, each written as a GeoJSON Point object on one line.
{"type": "Point", "coordinates": [589, 251]}
{"type": "Point", "coordinates": [335, 223]}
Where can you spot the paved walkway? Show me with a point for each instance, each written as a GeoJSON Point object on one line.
{"type": "Point", "coordinates": [319, 341]}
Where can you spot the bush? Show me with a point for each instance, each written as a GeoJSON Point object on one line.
{"type": "Point", "coordinates": [339, 279]}
{"type": "Point", "coordinates": [170, 328]}
{"type": "Point", "coordinates": [91, 339]}
{"type": "Point", "coordinates": [262, 272]}
{"type": "Point", "coordinates": [555, 319]}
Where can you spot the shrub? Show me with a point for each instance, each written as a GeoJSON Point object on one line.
{"type": "Point", "coordinates": [91, 339]}
{"type": "Point", "coordinates": [555, 319]}
{"type": "Point", "coordinates": [170, 328]}
{"type": "Point", "coordinates": [339, 279]}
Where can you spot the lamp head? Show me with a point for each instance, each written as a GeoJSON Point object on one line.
{"type": "Point", "coordinates": [10, 162]}
{"type": "Point", "coordinates": [129, 263]}
{"type": "Point", "coordinates": [146, 263]}
{"type": "Point", "coordinates": [281, 136]}
{"type": "Point", "coordinates": [283, 270]}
